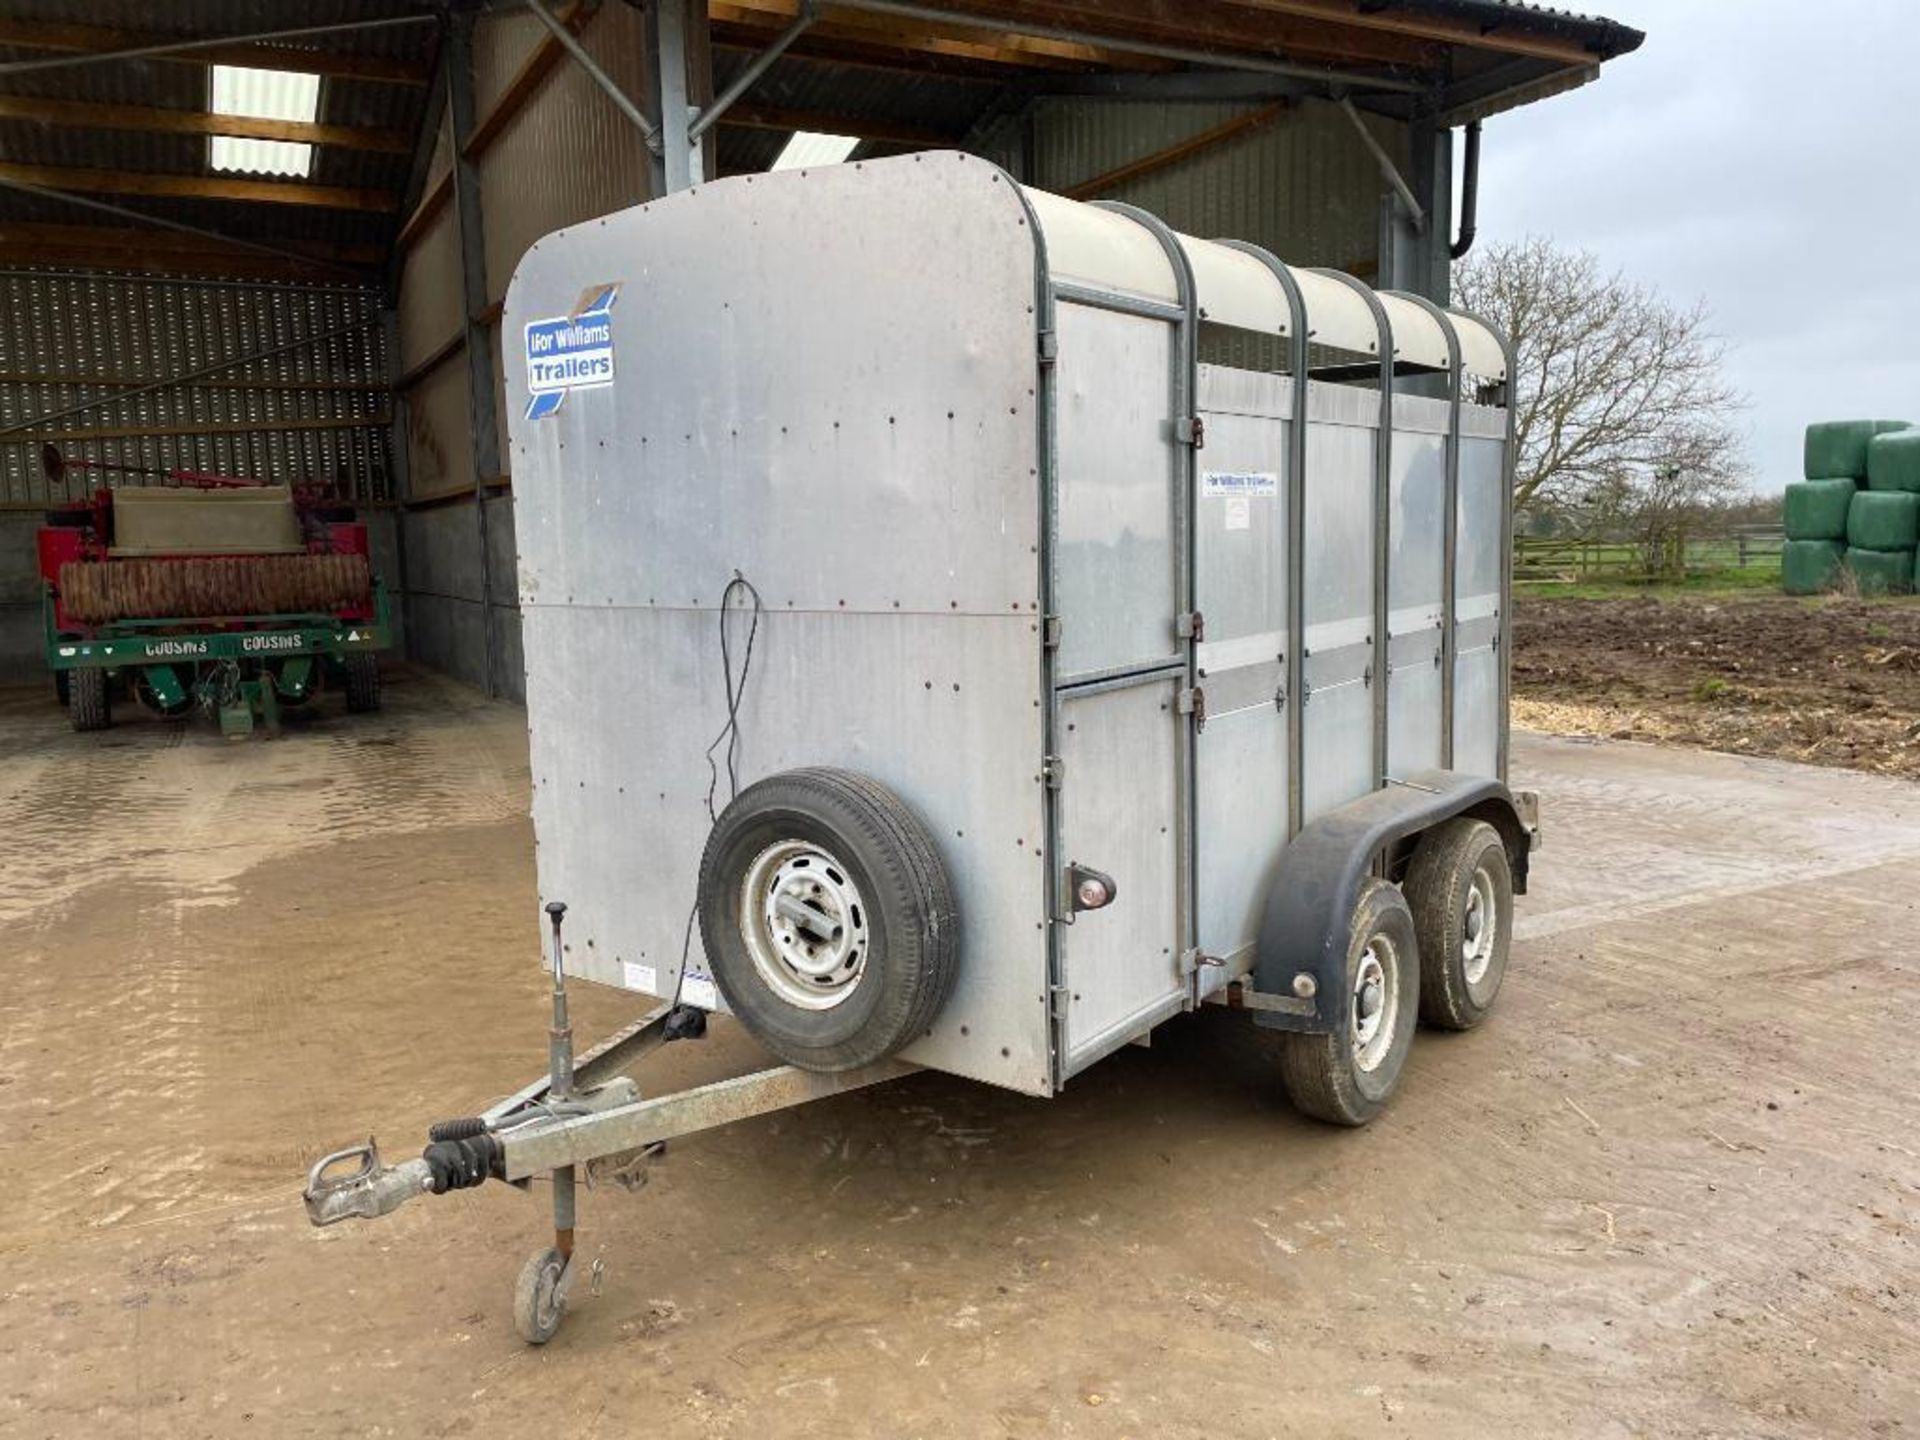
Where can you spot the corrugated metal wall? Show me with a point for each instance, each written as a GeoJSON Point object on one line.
{"type": "Point", "coordinates": [312, 413]}
{"type": "Point", "coordinates": [570, 154]}
{"type": "Point", "coordinates": [566, 155]}
{"type": "Point", "coordinates": [1302, 185]}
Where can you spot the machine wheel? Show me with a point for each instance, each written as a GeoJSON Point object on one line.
{"type": "Point", "coordinates": [363, 682]}
{"type": "Point", "coordinates": [1346, 1077]}
{"type": "Point", "coordinates": [88, 705]}
{"type": "Point", "coordinates": [828, 918]}
{"type": "Point", "coordinates": [536, 1313]}
{"type": "Point", "coordinates": [1460, 886]}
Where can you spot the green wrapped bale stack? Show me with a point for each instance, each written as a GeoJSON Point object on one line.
{"type": "Point", "coordinates": [1881, 572]}
{"type": "Point", "coordinates": [1817, 509]}
{"type": "Point", "coordinates": [1883, 520]}
{"type": "Point", "coordinates": [1811, 567]}
{"type": "Point", "coordinates": [1893, 461]}
{"type": "Point", "coordinates": [1837, 449]}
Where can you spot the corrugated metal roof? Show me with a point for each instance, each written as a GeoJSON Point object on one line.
{"type": "Point", "coordinates": [165, 84]}
{"type": "Point", "coordinates": [1607, 38]}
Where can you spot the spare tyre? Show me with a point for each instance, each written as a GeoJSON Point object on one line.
{"type": "Point", "coordinates": [828, 918]}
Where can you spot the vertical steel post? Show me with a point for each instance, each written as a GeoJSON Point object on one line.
{"type": "Point", "coordinates": [560, 1084]}
{"type": "Point", "coordinates": [1046, 475]}
{"type": "Point", "coordinates": [484, 423]}
{"type": "Point", "coordinates": [1424, 252]}
{"type": "Point", "coordinates": [676, 164]}
{"type": "Point", "coordinates": [399, 469]}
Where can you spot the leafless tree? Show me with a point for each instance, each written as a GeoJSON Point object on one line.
{"type": "Point", "coordinates": [1618, 393]}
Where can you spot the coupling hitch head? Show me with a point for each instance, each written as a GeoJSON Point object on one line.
{"type": "Point", "coordinates": [367, 1190]}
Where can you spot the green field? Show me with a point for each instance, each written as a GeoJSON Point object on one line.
{"type": "Point", "coordinates": [1580, 567]}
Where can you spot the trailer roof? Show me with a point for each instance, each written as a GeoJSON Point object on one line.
{"type": "Point", "coordinates": [1104, 249]}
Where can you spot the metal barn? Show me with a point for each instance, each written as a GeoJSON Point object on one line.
{"type": "Point", "coordinates": [310, 292]}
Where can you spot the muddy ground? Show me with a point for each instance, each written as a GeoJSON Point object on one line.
{"type": "Point", "coordinates": [1670, 1190]}
{"type": "Point", "coordinates": [1822, 681]}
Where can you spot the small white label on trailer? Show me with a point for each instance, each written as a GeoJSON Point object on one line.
{"type": "Point", "coordinates": [570, 352]}
{"type": "Point", "coordinates": [639, 977]}
{"type": "Point", "coordinates": [1239, 513]}
{"type": "Point", "coordinates": [698, 989]}
{"type": "Point", "coordinates": [1216, 484]}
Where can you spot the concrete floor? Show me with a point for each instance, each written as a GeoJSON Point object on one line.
{"type": "Point", "coordinates": [1671, 1190]}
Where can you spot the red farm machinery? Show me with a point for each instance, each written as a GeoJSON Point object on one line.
{"type": "Point", "coordinates": [232, 595]}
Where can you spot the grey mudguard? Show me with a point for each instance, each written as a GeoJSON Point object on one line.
{"type": "Point", "coordinates": [1310, 908]}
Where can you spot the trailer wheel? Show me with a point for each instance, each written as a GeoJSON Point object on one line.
{"type": "Point", "coordinates": [88, 705]}
{"type": "Point", "coordinates": [363, 682]}
{"type": "Point", "coordinates": [536, 1313]}
{"type": "Point", "coordinates": [828, 918]}
{"type": "Point", "coordinates": [1346, 1077]}
{"type": "Point", "coordinates": [1460, 886]}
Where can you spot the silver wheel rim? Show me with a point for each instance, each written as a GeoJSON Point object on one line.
{"type": "Point", "coordinates": [1479, 931]}
{"type": "Point", "coordinates": [1376, 1003]}
{"type": "Point", "coordinates": [804, 924]}
{"type": "Point", "coordinates": [546, 1313]}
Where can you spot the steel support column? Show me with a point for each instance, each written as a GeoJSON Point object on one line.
{"type": "Point", "coordinates": [484, 422]}
{"type": "Point", "coordinates": [1415, 233]}
{"type": "Point", "coordinates": [676, 163]}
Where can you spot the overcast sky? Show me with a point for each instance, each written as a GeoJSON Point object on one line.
{"type": "Point", "coordinates": [1761, 155]}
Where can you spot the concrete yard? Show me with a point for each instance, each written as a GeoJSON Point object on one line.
{"type": "Point", "coordinates": [1671, 1190]}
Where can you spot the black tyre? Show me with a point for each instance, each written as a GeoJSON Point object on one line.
{"type": "Point", "coordinates": [88, 704]}
{"type": "Point", "coordinates": [828, 918]}
{"type": "Point", "coordinates": [363, 682]}
{"type": "Point", "coordinates": [1345, 1078]}
{"type": "Point", "coordinates": [1460, 887]}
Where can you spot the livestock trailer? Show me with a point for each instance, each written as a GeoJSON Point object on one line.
{"type": "Point", "coordinates": [965, 628]}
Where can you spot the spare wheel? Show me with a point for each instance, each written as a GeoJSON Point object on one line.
{"type": "Point", "coordinates": [828, 918]}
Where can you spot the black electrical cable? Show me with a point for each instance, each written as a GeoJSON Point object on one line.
{"type": "Point", "coordinates": [736, 692]}
{"type": "Point", "coordinates": [729, 734]}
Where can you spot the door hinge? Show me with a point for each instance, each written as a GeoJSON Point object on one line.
{"type": "Point", "coordinates": [1050, 632]}
{"type": "Point", "coordinates": [1191, 626]}
{"type": "Point", "coordinates": [1049, 347]}
{"type": "Point", "coordinates": [1191, 431]}
{"type": "Point", "coordinates": [1053, 771]}
{"type": "Point", "coordinates": [1057, 998]}
{"type": "Point", "coordinates": [1194, 702]}
{"type": "Point", "coordinates": [1193, 961]}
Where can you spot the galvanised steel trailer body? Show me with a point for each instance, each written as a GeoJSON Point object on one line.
{"type": "Point", "coordinates": [1003, 624]}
